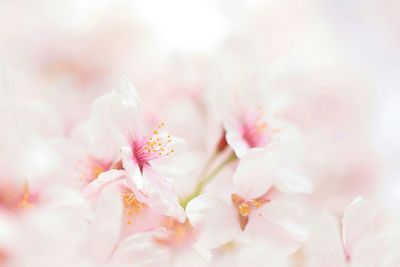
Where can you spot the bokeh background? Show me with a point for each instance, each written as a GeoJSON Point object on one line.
{"type": "Point", "coordinates": [331, 65]}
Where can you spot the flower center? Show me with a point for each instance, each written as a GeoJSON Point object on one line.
{"type": "Point", "coordinates": [18, 198]}
{"type": "Point", "coordinates": [179, 235]}
{"type": "Point", "coordinates": [91, 168]}
{"type": "Point", "coordinates": [150, 147]}
{"type": "Point", "coordinates": [245, 207]}
{"type": "Point", "coordinates": [132, 205]}
{"type": "Point", "coordinates": [255, 134]}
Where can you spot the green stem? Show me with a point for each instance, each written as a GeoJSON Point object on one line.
{"type": "Point", "coordinates": [203, 182]}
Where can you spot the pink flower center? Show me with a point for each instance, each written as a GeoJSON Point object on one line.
{"type": "Point", "coordinates": [150, 147]}
{"type": "Point", "coordinates": [255, 134]}
{"type": "Point", "coordinates": [255, 131]}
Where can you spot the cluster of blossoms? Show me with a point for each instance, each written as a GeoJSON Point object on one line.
{"type": "Point", "coordinates": [184, 133]}
{"type": "Point", "coordinates": [107, 195]}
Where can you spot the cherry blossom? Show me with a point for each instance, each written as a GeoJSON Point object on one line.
{"type": "Point", "coordinates": [249, 209]}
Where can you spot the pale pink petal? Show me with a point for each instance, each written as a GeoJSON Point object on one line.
{"type": "Point", "coordinates": [63, 198]}
{"type": "Point", "coordinates": [215, 219]}
{"type": "Point", "coordinates": [255, 172]}
{"type": "Point", "coordinates": [130, 165]}
{"type": "Point", "coordinates": [119, 109]}
{"type": "Point", "coordinates": [161, 195]}
{"type": "Point", "coordinates": [281, 223]}
{"type": "Point", "coordinates": [292, 180]}
{"type": "Point", "coordinates": [359, 223]}
{"type": "Point", "coordinates": [234, 137]}
{"type": "Point", "coordinates": [141, 250]}
{"type": "Point", "coordinates": [145, 220]}
{"type": "Point", "coordinates": [324, 247]}
{"type": "Point", "coordinates": [97, 185]}
{"type": "Point", "coordinates": [179, 162]}
{"type": "Point", "coordinates": [106, 227]}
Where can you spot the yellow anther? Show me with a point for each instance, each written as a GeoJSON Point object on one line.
{"type": "Point", "coordinates": [244, 209]}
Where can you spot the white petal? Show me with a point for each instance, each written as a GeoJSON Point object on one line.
{"type": "Point", "coordinates": [106, 227]}
{"type": "Point", "coordinates": [215, 219]}
{"type": "Point", "coordinates": [325, 245]}
{"type": "Point", "coordinates": [104, 179]}
{"type": "Point", "coordinates": [177, 163]}
{"type": "Point", "coordinates": [120, 109]}
{"type": "Point", "coordinates": [359, 222]}
{"type": "Point", "coordinates": [161, 195]}
{"type": "Point", "coordinates": [281, 223]}
{"type": "Point", "coordinates": [132, 168]}
{"type": "Point", "coordinates": [235, 139]}
{"type": "Point", "coordinates": [290, 180]}
{"type": "Point", "coordinates": [255, 172]}
{"type": "Point", "coordinates": [141, 250]}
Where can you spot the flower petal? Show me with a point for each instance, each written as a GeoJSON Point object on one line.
{"type": "Point", "coordinates": [359, 223]}
{"type": "Point", "coordinates": [255, 172]}
{"type": "Point", "coordinates": [279, 222]}
{"type": "Point", "coordinates": [177, 163]}
{"type": "Point", "coordinates": [325, 246]}
{"type": "Point", "coordinates": [140, 250]}
{"type": "Point", "coordinates": [119, 109]}
{"type": "Point", "coordinates": [97, 185]}
{"type": "Point", "coordinates": [160, 194]}
{"type": "Point", "coordinates": [132, 168]}
{"type": "Point", "coordinates": [215, 220]}
{"type": "Point", "coordinates": [291, 180]}
{"type": "Point", "coordinates": [106, 227]}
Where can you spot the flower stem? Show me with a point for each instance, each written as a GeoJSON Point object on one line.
{"type": "Point", "coordinates": [207, 178]}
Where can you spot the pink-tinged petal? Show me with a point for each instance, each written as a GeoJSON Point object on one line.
{"type": "Point", "coordinates": [94, 188]}
{"type": "Point", "coordinates": [235, 139]}
{"type": "Point", "coordinates": [145, 220]}
{"type": "Point", "coordinates": [359, 223]}
{"type": "Point", "coordinates": [63, 198]}
{"type": "Point", "coordinates": [161, 195]}
{"type": "Point", "coordinates": [324, 247]}
{"type": "Point", "coordinates": [215, 219]}
{"type": "Point", "coordinates": [129, 164]}
{"type": "Point", "coordinates": [141, 250]}
{"type": "Point", "coordinates": [291, 180]}
{"type": "Point", "coordinates": [119, 109]}
{"type": "Point", "coordinates": [255, 172]}
{"type": "Point", "coordinates": [178, 162]}
{"type": "Point", "coordinates": [280, 223]}
{"type": "Point", "coordinates": [378, 250]}
{"type": "Point", "coordinates": [106, 227]}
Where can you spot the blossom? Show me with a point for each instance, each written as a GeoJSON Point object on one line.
{"type": "Point", "coordinates": [249, 209]}
{"type": "Point", "coordinates": [251, 122]}
{"type": "Point", "coordinates": [151, 160]}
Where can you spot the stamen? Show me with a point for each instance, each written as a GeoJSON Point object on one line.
{"type": "Point", "coordinates": [152, 146]}
{"type": "Point", "coordinates": [132, 205]}
{"type": "Point", "coordinates": [244, 208]}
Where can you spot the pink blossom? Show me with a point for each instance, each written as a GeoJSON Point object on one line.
{"type": "Point", "coordinates": [249, 209]}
